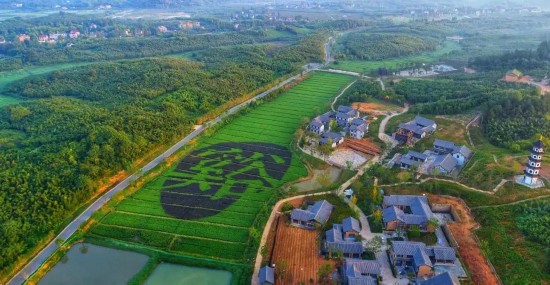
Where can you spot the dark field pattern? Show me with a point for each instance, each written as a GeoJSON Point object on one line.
{"type": "Point", "coordinates": [219, 173]}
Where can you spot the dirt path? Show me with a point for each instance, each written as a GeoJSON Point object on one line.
{"type": "Point", "coordinates": [382, 129]}
{"type": "Point", "coordinates": [513, 203]}
{"type": "Point", "coordinates": [492, 192]}
{"type": "Point", "coordinates": [475, 119]}
{"type": "Point", "coordinates": [339, 95]}
{"type": "Point", "coordinates": [463, 231]}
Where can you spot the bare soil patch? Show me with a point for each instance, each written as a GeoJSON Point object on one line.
{"type": "Point", "coordinates": [469, 249]}
{"type": "Point", "coordinates": [374, 108]}
{"type": "Point", "coordinates": [299, 248]}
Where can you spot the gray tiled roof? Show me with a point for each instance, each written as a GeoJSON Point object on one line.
{"type": "Point", "coordinates": [445, 278]}
{"type": "Point", "coordinates": [412, 128]}
{"type": "Point", "coordinates": [420, 210]}
{"type": "Point", "coordinates": [315, 124]}
{"type": "Point", "coordinates": [365, 280]}
{"type": "Point", "coordinates": [406, 247]}
{"type": "Point", "coordinates": [538, 144]}
{"type": "Point", "coordinates": [358, 122]}
{"type": "Point", "coordinates": [407, 161]}
{"type": "Point", "coordinates": [335, 234]}
{"type": "Point", "coordinates": [359, 268]}
{"type": "Point", "coordinates": [301, 215]}
{"type": "Point", "coordinates": [346, 247]}
{"type": "Point", "coordinates": [444, 144]}
{"type": "Point", "coordinates": [344, 109]}
{"type": "Point", "coordinates": [421, 121]}
{"type": "Point", "coordinates": [465, 151]}
{"type": "Point", "coordinates": [447, 162]}
{"type": "Point", "coordinates": [421, 258]}
{"type": "Point", "coordinates": [443, 253]}
{"type": "Point", "coordinates": [391, 214]}
{"type": "Point", "coordinates": [321, 211]}
{"type": "Point", "coordinates": [360, 128]}
{"type": "Point", "coordinates": [334, 136]}
{"type": "Point", "coordinates": [350, 224]}
{"type": "Point", "coordinates": [267, 274]}
{"type": "Point", "coordinates": [416, 154]}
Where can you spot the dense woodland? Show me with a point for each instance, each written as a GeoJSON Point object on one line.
{"type": "Point", "coordinates": [91, 122]}
{"type": "Point", "coordinates": [519, 59]}
{"type": "Point", "coordinates": [370, 46]}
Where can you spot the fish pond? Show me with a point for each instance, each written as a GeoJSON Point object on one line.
{"type": "Point", "coordinates": [91, 264]}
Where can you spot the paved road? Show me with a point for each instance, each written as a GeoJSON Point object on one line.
{"type": "Point", "coordinates": [71, 228]}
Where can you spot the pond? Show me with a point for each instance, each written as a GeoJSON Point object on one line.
{"type": "Point", "coordinates": [91, 264]}
{"type": "Point", "coordinates": [173, 274]}
{"type": "Point", "coordinates": [332, 173]}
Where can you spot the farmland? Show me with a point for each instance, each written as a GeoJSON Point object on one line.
{"type": "Point", "coordinates": [396, 63]}
{"type": "Point", "coordinates": [211, 203]}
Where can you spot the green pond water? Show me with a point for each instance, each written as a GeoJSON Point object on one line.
{"type": "Point", "coordinates": [173, 274]}
{"type": "Point", "coordinates": [88, 264]}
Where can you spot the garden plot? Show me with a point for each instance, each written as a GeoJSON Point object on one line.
{"type": "Point", "coordinates": [208, 204]}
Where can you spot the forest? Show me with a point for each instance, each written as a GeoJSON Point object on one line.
{"type": "Point", "coordinates": [372, 46]}
{"type": "Point", "coordinates": [518, 59]}
{"type": "Point", "coordinates": [82, 125]}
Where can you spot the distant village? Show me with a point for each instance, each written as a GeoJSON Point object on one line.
{"type": "Point", "coordinates": [94, 31]}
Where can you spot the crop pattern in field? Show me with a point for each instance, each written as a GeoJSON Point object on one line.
{"type": "Point", "coordinates": [206, 205]}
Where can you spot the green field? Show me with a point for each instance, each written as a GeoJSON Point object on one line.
{"type": "Point", "coordinates": [396, 63]}
{"type": "Point", "coordinates": [209, 204]}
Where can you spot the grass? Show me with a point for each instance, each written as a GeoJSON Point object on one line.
{"type": "Point", "coordinates": [424, 237]}
{"type": "Point", "coordinates": [227, 232]}
{"type": "Point", "coordinates": [396, 63]}
{"type": "Point", "coordinates": [517, 260]}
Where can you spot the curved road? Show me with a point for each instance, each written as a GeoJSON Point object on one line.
{"type": "Point", "coordinates": [72, 227]}
{"type": "Point", "coordinates": [382, 130]}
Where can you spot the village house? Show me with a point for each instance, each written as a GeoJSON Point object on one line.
{"type": "Point", "coordinates": [404, 211]}
{"type": "Point", "coordinates": [187, 25]}
{"type": "Point", "coordinates": [315, 215]}
{"type": "Point", "coordinates": [319, 125]}
{"type": "Point", "coordinates": [332, 139]}
{"type": "Point", "coordinates": [57, 36]}
{"type": "Point", "coordinates": [412, 159]}
{"type": "Point", "coordinates": [420, 258]}
{"type": "Point", "coordinates": [358, 128]}
{"type": "Point", "coordinates": [43, 38]}
{"type": "Point", "coordinates": [342, 239]}
{"type": "Point", "coordinates": [266, 276]}
{"type": "Point", "coordinates": [444, 164]}
{"type": "Point", "coordinates": [445, 278]}
{"type": "Point", "coordinates": [411, 132]}
{"type": "Point", "coordinates": [74, 34]}
{"type": "Point", "coordinates": [345, 115]}
{"type": "Point", "coordinates": [361, 272]}
{"type": "Point", "coordinates": [460, 153]}
{"type": "Point", "coordinates": [23, 37]}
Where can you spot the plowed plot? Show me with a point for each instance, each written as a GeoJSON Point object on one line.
{"type": "Point", "coordinates": [469, 250]}
{"type": "Point", "coordinates": [207, 204]}
{"type": "Point", "coordinates": [300, 249]}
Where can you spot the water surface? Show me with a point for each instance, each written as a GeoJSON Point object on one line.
{"type": "Point", "coordinates": [173, 274]}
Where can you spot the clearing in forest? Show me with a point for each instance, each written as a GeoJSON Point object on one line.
{"type": "Point", "coordinates": [209, 204]}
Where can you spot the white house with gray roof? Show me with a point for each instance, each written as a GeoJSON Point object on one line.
{"type": "Point", "coordinates": [404, 211]}
{"type": "Point", "coordinates": [461, 153]}
{"type": "Point", "coordinates": [316, 214]}
{"type": "Point", "coordinates": [444, 164]}
{"type": "Point", "coordinates": [411, 132]}
{"type": "Point", "coordinates": [342, 238]}
{"type": "Point", "coordinates": [412, 159]}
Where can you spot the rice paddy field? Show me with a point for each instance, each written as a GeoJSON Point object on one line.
{"type": "Point", "coordinates": [208, 204]}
